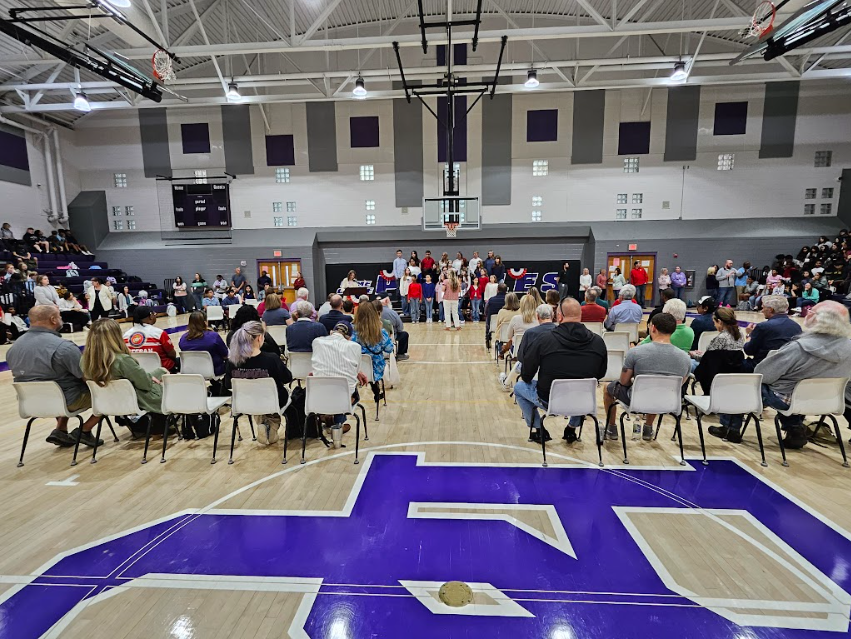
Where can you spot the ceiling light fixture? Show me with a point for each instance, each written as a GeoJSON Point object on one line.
{"type": "Point", "coordinates": [233, 92]}
{"type": "Point", "coordinates": [81, 102]}
{"type": "Point", "coordinates": [360, 89]}
{"type": "Point", "coordinates": [532, 79]}
{"type": "Point", "coordinates": [679, 74]}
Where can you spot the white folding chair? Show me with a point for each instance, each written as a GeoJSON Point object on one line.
{"type": "Point", "coordinates": [328, 396]}
{"type": "Point", "coordinates": [116, 399]}
{"type": "Point", "coordinates": [43, 400]}
{"type": "Point", "coordinates": [574, 398]}
{"type": "Point", "coordinates": [629, 327]}
{"type": "Point", "coordinates": [731, 394]}
{"type": "Point", "coordinates": [367, 369]}
{"type": "Point", "coordinates": [502, 338]}
{"type": "Point", "coordinates": [148, 361]}
{"type": "Point", "coordinates": [186, 394]}
{"type": "Point", "coordinates": [300, 365]}
{"type": "Point", "coordinates": [614, 365]}
{"type": "Point", "coordinates": [215, 314]}
{"type": "Point", "coordinates": [594, 327]}
{"type": "Point", "coordinates": [511, 356]}
{"type": "Point", "coordinates": [490, 331]}
{"type": "Point", "coordinates": [197, 363]}
{"type": "Point", "coordinates": [705, 338]}
{"type": "Point", "coordinates": [618, 341]}
{"type": "Point", "coordinates": [824, 397]}
{"type": "Point", "coordinates": [254, 397]}
{"type": "Point", "coordinates": [654, 395]}
{"type": "Point", "coordinates": [279, 334]}
{"type": "Point", "coordinates": [254, 303]}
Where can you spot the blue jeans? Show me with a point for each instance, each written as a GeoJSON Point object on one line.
{"type": "Point", "coordinates": [405, 305]}
{"type": "Point", "coordinates": [442, 315]}
{"type": "Point", "coordinates": [679, 291]}
{"type": "Point", "coordinates": [727, 295]}
{"type": "Point", "coordinates": [769, 400]}
{"type": "Point", "coordinates": [529, 403]}
{"type": "Point", "coordinates": [429, 307]}
{"type": "Point", "coordinates": [476, 306]}
{"type": "Point", "coordinates": [414, 309]}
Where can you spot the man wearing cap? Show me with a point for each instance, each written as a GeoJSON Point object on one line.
{"type": "Point", "coordinates": [144, 337]}
{"type": "Point", "coordinates": [335, 355]}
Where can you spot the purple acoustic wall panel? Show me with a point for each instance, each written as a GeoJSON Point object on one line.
{"type": "Point", "coordinates": [460, 129]}
{"type": "Point", "coordinates": [731, 118]}
{"type": "Point", "coordinates": [542, 126]}
{"type": "Point", "coordinates": [13, 150]}
{"type": "Point", "coordinates": [364, 131]}
{"type": "Point", "coordinates": [280, 150]}
{"type": "Point", "coordinates": [459, 54]}
{"type": "Point", "coordinates": [634, 138]}
{"type": "Point", "coordinates": [196, 138]}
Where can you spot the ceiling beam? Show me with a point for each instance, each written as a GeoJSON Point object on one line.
{"type": "Point", "coordinates": [593, 13]}
{"type": "Point", "coordinates": [320, 20]}
{"type": "Point", "coordinates": [192, 29]}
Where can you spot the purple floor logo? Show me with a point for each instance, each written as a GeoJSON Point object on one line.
{"type": "Point", "coordinates": [561, 553]}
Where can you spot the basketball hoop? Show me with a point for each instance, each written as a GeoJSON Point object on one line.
{"type": "Point", "coordinates": [161, 63]}
{"type": "Point", "coordinates": [451, 229]}
{"type": "Point", "coordinates": [762, 21]}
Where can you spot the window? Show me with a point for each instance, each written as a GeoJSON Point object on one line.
{"type": "Point", "coordinates": [369, 205]}
{"type": "Point", "coordinates": [457, 172]}
{"type": "Point", "coordinates": [731, 118]}
{"type": "Point", "coordinates": [537, 200]}
{"type": "Point", "coordinates": [278, 221]}
{"type": "Point", "coordinates": [117, 211]}
{"type": "Point", "coordinates": [634, 138]}
{"type": "Point", "coordinates": [128, 210]}
{"type": "Point", "coordinates": [826, 209]}
{"type": "Point", "coordinates": [827, 194]}
{"type": "Point", "coordinates": [282, 176]}
{"type": "Point", "coordinates": [131, 225]}
{"type": "Point", "coordinates": [809, 209]}
{"type": "Point", "coordinates": [117, 225]}
{"type": "Point", "coordinates": [540, 168]}
{"type": "Point", "coordinates": [290, 207]}
{"type": "Point", "coordinates": [277, 207]}
{"type": "Point", "coordinates": [200, 176]}
{"type": "Point", "coordinates": [636, 214]}
{"type": "Point", "coordinates": [622, 198]}
{"type": "Point", "coordinates": [536, 216]}
{"type": "Point", "coordinates": [823, 159]}
{"type": "Point", "coordinates": [810, 194]}
{"type": "Point", "coordinates": [726, 161]}
{"type": "Point", "coordinates": [120, 180]}
{"type": "Point", "coordinates": [367, 172]}
{"type": "Point", "coordinates": [542, 126]}
{"type": "Point", "coordinates": [370, 219]}
{"type": "Point", "coordinates": [620, 214]}
{"type": "Point", "coordinates": [292, 221]}
{"type": "Point", "coordinates": [630, 165]}
{"type": "Point", "coordinates": [637, 198]}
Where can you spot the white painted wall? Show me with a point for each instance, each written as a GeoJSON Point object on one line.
{"type": "Point", "coordinates": [109, 142]}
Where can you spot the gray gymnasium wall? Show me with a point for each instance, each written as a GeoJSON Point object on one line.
{"type": "Point", "coordinates": [153, 127]}
{"type": "Point", "coordinates": [589, 115]}
{"type": "Point", "coordinates": [780, 115]}
{"type": "Point", "coordinates": [236, 134]}
{"type": "Point", "coordinates": [407, 163]}
{"type": "Point", "coordinates": [321, 136]}
{"type": "Point", "coordinates": [87, 214]}
{"type": "Point", "coordinates": [682, 122]}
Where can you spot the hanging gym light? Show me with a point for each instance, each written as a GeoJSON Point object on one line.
{"type": "Point", "coordinates": [679, 74]}
{"type": "Point", "coordinates": [81, 102]}
{"type": "Point", "coordinates": [233, 92]}
{"type": "Point", "coordinates": [531, 79]}
{"type": "Point", "coordinates": [360, 89]}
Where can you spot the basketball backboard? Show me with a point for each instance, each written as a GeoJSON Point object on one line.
{"type": "Point", "coordinates": [437, 209]}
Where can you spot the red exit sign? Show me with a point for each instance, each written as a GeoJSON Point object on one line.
{"type": "Point", "coordinates": [633, 247]}
{"type": "Point", "coordinates": [276, 254]}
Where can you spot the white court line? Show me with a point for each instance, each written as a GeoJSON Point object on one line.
{"type": "Point", "coordinates": [65, 482]}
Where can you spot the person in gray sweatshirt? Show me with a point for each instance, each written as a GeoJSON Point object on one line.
{"type": "Point", "coordinates": [822, 350]}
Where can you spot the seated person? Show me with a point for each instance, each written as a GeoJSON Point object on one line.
{"type": "Point", "coordinates": [126, 303]}
{"type": "Point", "coordinates": [12, 324]}
{"type": "Point", "coordinates": [627, 312]}
{"type": "Point", "coordinates": [302, 332]}
{"type": "Point", "coordinates": [601, 298]}
{"type": "Point", "coordinates": [349, 309]}
{"type": "Point", "coordinates": [144, 300]}
{"type": "Point", "coordinates": [664, 295]}
{"type": "Point", "coordinates": [335, 313]}
{"type": "Point", "coordinates": [231, 299]}
{"type": "Point", "coordinates": [519, 324]}
{"type": "Point", "coordinates": [274, 313]}
{"type": "Point", "coordinates": [200, 337]}
{"type": "Point", "coordinates": [210, 298]}
{"type": "Point", "coordinates": [72, 311]}
{"type": "Point", "coordinates": [107, 358]}
{"type": "Point", "coordinates": [772, 334]}
{"type": "Point", "coordinates": [249, 314]}
{"type": "Point", "coordinates": [683, 337]}
{"type": "Point", "coordinates": [592, 311]}
{"type": "Point", "coordinates": [43, 355]}
{"type": "Point", "coordinates": [247, 359]}
{"type": "Point", "coordinates": [144, 337]}
{"type": "Point", "coordinates": [704, 321]}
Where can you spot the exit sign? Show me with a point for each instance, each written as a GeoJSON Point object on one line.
{"type": "Point", "coordinates": [633, 247]}
{"type": "Point", "coordinates": [276, 254]}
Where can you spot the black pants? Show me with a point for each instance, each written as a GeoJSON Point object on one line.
{"type": "Point", "coordinates": [180, 303]}
{"type": "Point", "coordinates": [77, 318]}
{"type": "Point", "coordinates": [376, 390]}
{"type": "Point", "coordinates": [97, 311]}
{"type": "Point", "coordinates": [402, 338]}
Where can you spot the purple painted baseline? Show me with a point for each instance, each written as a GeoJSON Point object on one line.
{"type": "Point", "coordinates": [378, 545]}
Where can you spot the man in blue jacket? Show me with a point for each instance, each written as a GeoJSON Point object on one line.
{"type": "Point", "coordinates": [772, 334]}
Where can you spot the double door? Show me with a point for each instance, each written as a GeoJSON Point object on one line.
{"type": "Point", "coordinates": [283, 274]}
{"type": "Point", "coordinates": [624, 261]}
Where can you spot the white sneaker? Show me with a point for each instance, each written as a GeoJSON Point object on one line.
{"type": "Point", "coordinates": [261, 430]}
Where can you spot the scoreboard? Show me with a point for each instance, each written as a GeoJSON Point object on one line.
{"type": "Point", "coordinates": [201, 205]}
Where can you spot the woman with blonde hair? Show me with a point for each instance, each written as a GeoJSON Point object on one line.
{"type": "Point", "coordinates": [534, 292]}
{"type": "Point", "coordinates": [519, 324]}
{"type": "Point", "coordinates": [506, 314]}
{"type": "Point", "coordinates": [374, 341]}
{"type": "Point", "coordinates": [451, 295]}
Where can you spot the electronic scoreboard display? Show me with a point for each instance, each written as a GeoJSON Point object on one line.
{"type": "Point", "coordinates": [201, 205]}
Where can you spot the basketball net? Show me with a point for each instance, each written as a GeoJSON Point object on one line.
{"type": "Point", "coordinates": [762, 21]}
{"type": "Point", "coordinates": [451, 229]}
{"type": "Point", "coordinates": [161, 63]}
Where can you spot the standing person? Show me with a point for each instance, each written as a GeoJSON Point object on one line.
{"type": "Point", "coordinates": [664, 280]}
{"type": "Point", "coordinates": [99, 298]}
{"type": "Point", "coordinates": [199, 285]}
{"type": "Point", "coordinates": [490, 288]}
{"type": "Point", "coordinates": [726, 284]}
{"type": "Point", "coordinates": [374, 341]}
{"type": "Point", "coordinates": [414, 257]}
{"type": "Point", "coordinates": [489, 262]}
{"type": "Point", "coordinates": [585, 280]}
{"type": "Point", "coordinates": [475, 293]}
{"type": "Point", "coordinates": [180, 295]}
{"type": "Point", "coordinates": [602, 280]}
{"type": "Point", "coordinates": [404, 283]}
{"type": "Point", "coordinates": [475, 263]}
{"type": "Point", "coordinates": [444, 263]}
{"type": "Point", "coordinates": [200, 337]}
{"type": "Point", "coordinates": [414, 268]}
{"type": "Point", "coordinates": [238, 280]}
{"type": "Point", "coordinates": [451, 293]}
{"type": "Point", "coordinates": [561, 278]}
{"type": "Point", "coordinates": [618, 282]}
{"type": "Point", "coordinates": [415, 296]}
{"type": "Point", "coordinates": [638, 278]}
{"type": "Point", "coordinates": [498, 269]}
{"type": "Point", "coordinates": [678, 282]}
{"type": "Point", "coordinates": [712, 282]}
{"type": "Point", "coordinates": [351, 281]}
{"type": "Point", "coordinates": [298, 282]}
{"type": "Point", "coordinates": [439, 289]}
{"type": "Point", "coordinates": [144, 337]}
{"type": "Point", "coordinates": [428, 297]}
{"type": "Point", "coordinates": [459, 262]}
{"type": "Point", "coordinates": [263, 281]}
{"type": "Point", "coordinates": [399, 265]}
{"type": "Point", "coordinates": [742, 280]}
{"type": "Point", "coordinates": [427, 266]}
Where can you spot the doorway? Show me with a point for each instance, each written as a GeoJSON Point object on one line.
{"type": "Point", "coordinates": [624, 262]}
{"type": "Point", "coordinates": [283, 274]}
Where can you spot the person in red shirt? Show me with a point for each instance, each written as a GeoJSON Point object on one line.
{"type": "Point", "coordinates": [144, 337]}
{"type": "Point", "coordinates": [415, 297]}
{"type": "Point", "coordinates": [427, 266]}
{"type": "Point", "coordinates": [638, 278]}
{"type": "Point", "coordinates": [475, 293]}
{"type": "Point", "coordinates": [591, 311]}
{"type": "Point", "coordinates": [602, 279]}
